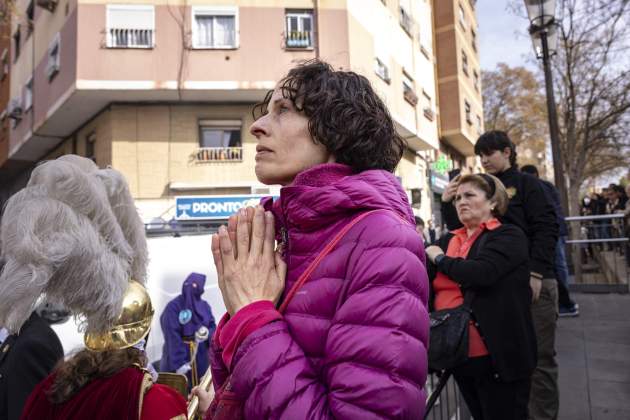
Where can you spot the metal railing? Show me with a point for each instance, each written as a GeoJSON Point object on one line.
{"type": "Point", "coordinates": [450, 404]}
{"type": "Point", "coordinates": [600, 254]}
{"type": "Point", "coordinates": [300, 39]}
{"type": "Point", "coordinates": [130, 38]}
{"type": "Point", "coordinates": [219, 154]}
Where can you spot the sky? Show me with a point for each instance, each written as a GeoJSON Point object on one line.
{"type": "Point", "coordinates": [502, 36]}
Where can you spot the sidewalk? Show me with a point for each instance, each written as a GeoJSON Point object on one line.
{"type": "Point", "coordinates": [594, 358]}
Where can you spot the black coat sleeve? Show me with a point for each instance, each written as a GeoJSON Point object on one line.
{"type": "Point", "coordinates": [449, 215]}
{"type": "Point", "coordinates": [31, 360]}
{"type": "Point", "coordinates": [543, 226]}
{"type": "Point", "coordinates": [504, 250]}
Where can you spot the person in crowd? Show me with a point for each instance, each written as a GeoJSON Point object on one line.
{"type": "Point", "coordinates": [352, 342]}
{"type": "Point", "coordinates": [529, 209]}
{"type": "Point", "coordinates": [566, 306]}
{"type": "Point", "coordinates": [433, 234]}
{"type": "Point", "coordinates": [599, 204]}
{"type": "Point", "coordinates": [73, 235]}
{"type": "Point", "coordinates": [26, 358]}
{"type": "Point", "coordinates": [495, 380]}
{"type": "Point", "coordinates": [616, 199]}
{"type": "Point", "coordinates": [420, 228]}
{"type": "Point", "coordinates": [186, 320]}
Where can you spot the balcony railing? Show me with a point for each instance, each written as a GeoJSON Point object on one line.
{"type": "Point", "coordinates": [300, 39]}
{"type": "Point", "coordinates": [219, 154]}
{"type": "Point", "coordinates": [130, 38]}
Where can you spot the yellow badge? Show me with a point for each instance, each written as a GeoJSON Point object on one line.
{"type": "Point", "coordinates": [511, 192]}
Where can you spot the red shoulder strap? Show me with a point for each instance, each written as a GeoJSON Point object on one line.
{"type": "Point", "coordinates": [313, 265]}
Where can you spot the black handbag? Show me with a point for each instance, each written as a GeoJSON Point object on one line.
{"type": "Point", "coordinates": [448, 334]}
{"type": "Point", "coordinates": [448, 337]}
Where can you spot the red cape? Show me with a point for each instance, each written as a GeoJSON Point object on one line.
{"type": "Point", "coordinates": [116, 397]}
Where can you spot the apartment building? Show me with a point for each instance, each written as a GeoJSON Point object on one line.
{"type": "Point", "coordinates": [163, 90]}
{"type": "Point", "coordinates": [459, 90]}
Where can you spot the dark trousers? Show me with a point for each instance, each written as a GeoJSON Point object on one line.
{"type": "Point", "coordinates": [545, 395]}
{"type": "Point", "coordinates": [562, 274]}
{"type": "Point", "coordinates": [487, 397]}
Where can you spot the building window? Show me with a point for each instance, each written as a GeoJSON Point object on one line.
{"type": "Point", "coordinates": [28, 95]}
{"type": "Point", "coordinates": [52, 68]}
{"type": "Point", "coordinates": [408, 89]}
{"type": "Point", "coordinates": [381, 70]}
{"type": "Point", "coordinates": [130, 26]}
{"type": "Point", "coordinates": [464, 63]}
{"type": "Point", "coordinates": [476, 80]}
{"type": "Point", "coordinates": [219, 141]}
{"type": "Point", "coordinates": [405, 20]}
{"type": "Point", "coordinates": [16, 43]}
{"type": "Point", "coordinates": [215, 27]}
{"type": "Point", "coordinates": [479, 130]}
{"type": "Point", "coordinates": [427, 108]}
{"type": "Point", "coordinates": [462, 17]}
{"type": "Point", "coordinates": [15, 111]}
{"type": "Point", "coordinates": [90, 147]}
{"type": "Point", "coordinates": [467, 110]}
{"type": "Point", "coordinates": [5, 64]}
{"type": "Point", "coordinates": [474, 39]}
{"type": "Point", "coordinates": [299, 28]}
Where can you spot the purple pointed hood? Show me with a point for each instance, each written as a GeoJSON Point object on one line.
{"type": "Point", "coordinates": [192, 290]}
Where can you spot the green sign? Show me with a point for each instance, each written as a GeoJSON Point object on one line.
{"type": "Point", "coordinates": [442, 165]}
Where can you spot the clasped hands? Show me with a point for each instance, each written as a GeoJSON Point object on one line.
{"type": "Point", "coordinates": [249, 267]}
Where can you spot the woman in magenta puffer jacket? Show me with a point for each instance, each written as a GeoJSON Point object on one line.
{"type": "Point", "coordinates": [352, 342]}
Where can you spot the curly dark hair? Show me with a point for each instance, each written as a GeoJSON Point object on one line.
{"type": "Point", "coordinates": [493, 140]}
{"type": "Point", "coordinates": [344, 114]}
{"type": "Point", "coordinates": [85, 366]}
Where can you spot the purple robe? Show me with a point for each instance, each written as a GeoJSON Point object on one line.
{"type": "Point", "coordinates": [181, 319]}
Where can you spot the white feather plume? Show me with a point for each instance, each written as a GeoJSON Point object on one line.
{"type": "Point", "coordinates": [73, 235]}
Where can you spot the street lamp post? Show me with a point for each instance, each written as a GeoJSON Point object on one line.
{"type": "Point", "coordinates": [544, 32]}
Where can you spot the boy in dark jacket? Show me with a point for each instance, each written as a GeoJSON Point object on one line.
{"type": "Point", "coordinates": [567, 307]}
{"type": "Point", "coordinates": [529, 209]}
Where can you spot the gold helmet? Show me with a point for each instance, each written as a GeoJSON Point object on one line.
{"type": "Point", "coordinates": [131, 326]}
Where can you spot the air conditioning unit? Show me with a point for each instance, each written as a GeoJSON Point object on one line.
{"type": "Point", "coordinates": [428, 112]}
{"type": "Point", "coordinates": [411, 97]}
{"type": "Point", "coordinates": [15, 109]}
{"type": "Point", "coordinates": [49, 5]}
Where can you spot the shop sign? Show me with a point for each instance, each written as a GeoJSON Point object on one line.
{"type": "Point", "coordinates": [442, 165]}
{"type": "Point", "coordinates": [211, 207]}
{"type": "Point", "coordinates": [438, 182]}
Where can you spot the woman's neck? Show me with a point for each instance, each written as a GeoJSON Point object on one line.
{"type": "Point", "coordinates": [470, 230]}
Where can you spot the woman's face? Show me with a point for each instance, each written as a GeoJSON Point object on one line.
{"type": "Point", "coordinates": [285, 147]}
{"type": "Point", "coordinates": [472, 206]}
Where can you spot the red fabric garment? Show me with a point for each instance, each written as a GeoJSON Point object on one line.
{"type": "Point", "coordinates": [163, 402]}
{"type": "Point", "coordinates": [116, 397]}
{"type": "Point", "coordinates": [448, 293]}
{"type": "Point", "coordinates": [231, 332]}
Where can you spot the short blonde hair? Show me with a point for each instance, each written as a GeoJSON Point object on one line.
{"type": "Point", "coordinates": [492, 187]}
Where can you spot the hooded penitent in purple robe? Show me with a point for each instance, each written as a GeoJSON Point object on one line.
{"type": "Point", "coordinates": [181, 319]}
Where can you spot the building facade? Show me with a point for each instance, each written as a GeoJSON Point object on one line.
{"type": "Point", "coordinates": [163, 90]}
{"type": "Point", "coordinates": [459, 93]}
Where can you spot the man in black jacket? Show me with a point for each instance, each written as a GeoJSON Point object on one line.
{"type": "Point", "coordinates": [534, 214]}
{"type": "Point", "coordinates": [567, 307]}
{"type": "Point", "coordinates": [25, 360]}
